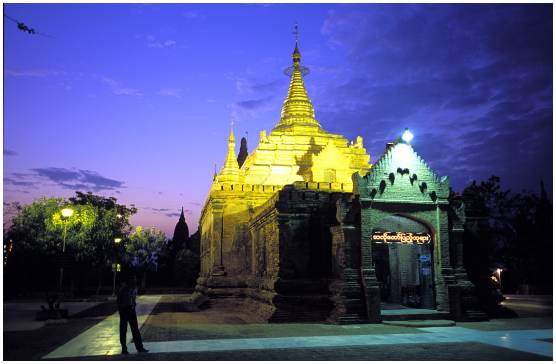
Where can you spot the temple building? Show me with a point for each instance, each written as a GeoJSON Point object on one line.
{"type": "Point", "coordinates": [306, 229]}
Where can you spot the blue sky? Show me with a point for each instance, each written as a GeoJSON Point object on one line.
{"type": "Point", "coordinates": [135, 101]}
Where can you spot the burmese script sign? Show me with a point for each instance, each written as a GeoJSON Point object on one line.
{"type": "Point", "coordinates": [400, 237]}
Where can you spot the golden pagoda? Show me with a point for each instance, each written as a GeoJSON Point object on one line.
{"type": "Point", "coordinates": [240, 242]}
{"type": "Point", "coordinates": [305, 230]}
{"type": "Point", "coordinates": [298, 148]}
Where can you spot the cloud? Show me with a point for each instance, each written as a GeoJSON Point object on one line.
{"type": "Point", "coordinates": [253, 104]}
{"type": "Point", "coordinates": [32, 72]}
{"type": "Point", "coordinates": [194, 15]}
{"type": "Point", "coordinates": [9, 152]}
{"type": "Point", "coordinates": [152, 42]}
{"type": "Point", "coordinates": [169, 212]}
{"type": "Point", "coordinates": [244, 85]}
{"type": "Point", "coordinates": [172, 92]}
{"type": "Point", "coordinates": [19, 182]}
{"type": "Point", "coordinates": [78, 179]}
{"type": "Point", "coordinates": [256, 96]}
{"type": "Point", "coordinates": [250, 108]}
{"type": "Point", "coordinates": [118, 89]}
{"type": "Point", "coordinates": [474, 82]}
{"type": "Point", "coordinates": [173, 214]}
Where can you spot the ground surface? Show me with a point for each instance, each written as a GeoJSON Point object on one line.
{"type": "Point", "coordinates": [175, 331]}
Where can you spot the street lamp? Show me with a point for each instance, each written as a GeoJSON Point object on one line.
{"type": "Point", "coordinates": [66, 214]}
{"type": "Point", "coordinates": [407, 136]}
{"type": "Point", "coordinates": [115, 269]}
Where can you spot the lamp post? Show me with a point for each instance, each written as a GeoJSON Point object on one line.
{"type": "Point", "coordinates": [407, 136]}
{"type": "Point", "coordinates": [499, 271]}
{"type": "Point", "coordinates": [66, 213]}
{"type": "Point", "coordinates": [115, 269]}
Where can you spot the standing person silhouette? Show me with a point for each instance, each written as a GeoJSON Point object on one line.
{"type": "Point", "coordinates": [126, 307]}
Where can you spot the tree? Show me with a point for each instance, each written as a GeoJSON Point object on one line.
{"type": "Point", "coordinates": [143, 248]}
{"type": "Point", "coordinates": [186, 267]}
{"type": "Point", "coordinates": [112, 221]}
{"type": "Point", "coordinates": [40, 227]}
{"type": "Point", "coordinates": [509, 231]}
{"type": "Point", "coordinates": [37, 233]}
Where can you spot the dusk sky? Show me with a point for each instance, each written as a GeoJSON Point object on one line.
{"type": "Point", "coordinates": [135, 101]}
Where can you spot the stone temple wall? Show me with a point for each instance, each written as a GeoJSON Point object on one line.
{"type": "Point", "coordinates": [275, 247]}
{"type": "Point", "coordinates": [303, 252]}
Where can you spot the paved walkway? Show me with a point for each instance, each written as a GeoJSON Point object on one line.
{"type": "Point", "coordinates": [20, 315]}
{"type": "Point", "coordinates": [104, 338]}
{"type": "Point", "coordinates": [522, 340]}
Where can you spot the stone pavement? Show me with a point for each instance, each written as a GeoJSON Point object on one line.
{"type": "Point", "coordinates": [20, 315]}
{"type": "Point", "coordinates": [522, 340]}
{"type": "Point", "coordinates": [104, 338]}
{"type": "Point", "coordinates": [173, 335]}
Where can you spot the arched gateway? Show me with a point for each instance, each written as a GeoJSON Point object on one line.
{"type": "Point", "coordinates": [399, 231]}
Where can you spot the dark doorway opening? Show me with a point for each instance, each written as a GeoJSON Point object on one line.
{"type": "Point", "coordinates": [402, 258]}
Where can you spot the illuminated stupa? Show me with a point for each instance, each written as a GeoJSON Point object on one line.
{"type": "Point", "coordinates": [282, 234]}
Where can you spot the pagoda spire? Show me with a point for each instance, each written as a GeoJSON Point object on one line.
{"type": "Point", "coordinates": [181, 233]}
{"type": "Point", "coordinates": [297, 108]}
{"type": "Point", "coordinates": [230, 170]}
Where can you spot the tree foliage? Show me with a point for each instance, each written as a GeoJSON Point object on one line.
{"type": "Point", "coordinates": [40, 227]}
{"type": "Point", "coordinates": [111, 222]}
{"type": "Point", "coordinates": [37, 231]}
{"type": "Point", "coordinates": [510, 231]}
{"type": "Point", "coordinates": [143, 248]}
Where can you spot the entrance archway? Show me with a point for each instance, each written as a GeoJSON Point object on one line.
{"type": "Point", "coordinates": [402, 257]}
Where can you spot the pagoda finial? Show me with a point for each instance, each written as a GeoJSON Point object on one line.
{"type": "Point", "coordinates": [296, 54]}
{"type": "Point", "coordinates": [297, 109]}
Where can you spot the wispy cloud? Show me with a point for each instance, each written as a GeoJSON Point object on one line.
{"type": "Point", "coordinates": [118, 89]}
{"type": "Point", "coordinates": [475, 81]}
{"type": "Point", "coordinates": [250, 108]}
{"type": "Point", "coordinates": [19, 182]}
{"type": "Point", "coordinates": [171, 92]}
{"type": "Point", "coordinates": [152, 42]}
{"type": "Point", "coordinates": [33, 72]}
{"type": "Point", "coordinates": [169, 212]}
{"type": "Point", "coordinates": [9, 152]}
{"type": "Point", "coordinates": [194, 15]}
{"type": "Point", "coordinates": [244, 85]}
{"type": "Point", "coordinates": [73, 179]}
{"type": "Point", "coordinates": [253, 104]}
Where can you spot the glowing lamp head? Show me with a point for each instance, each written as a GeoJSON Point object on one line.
{"type": "Point", "coordinates": [117, 240]}
{"type": "Point", "coordinates": [67, 212]}
{"type": "Point", "coordinates": [407, 136]}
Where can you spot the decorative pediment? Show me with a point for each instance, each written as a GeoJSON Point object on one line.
{"type": "Point", "coordinates": [331, 165]}
{"type": "Point", "coordinates": [402, 175]}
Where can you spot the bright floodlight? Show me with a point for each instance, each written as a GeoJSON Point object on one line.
{"type": "Point", "coordinates": [67, 212]}
{"type": "Point", "coordinates": [407, 136]}
{"type": "Point", "coordinates": [117, 240]}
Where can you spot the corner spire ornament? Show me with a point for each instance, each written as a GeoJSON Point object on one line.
{"type": "Point", "coordinates": [230, 170]}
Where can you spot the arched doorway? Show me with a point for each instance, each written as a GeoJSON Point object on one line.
{"type": "Point", "coordinates": [402, 257]}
